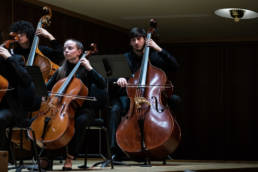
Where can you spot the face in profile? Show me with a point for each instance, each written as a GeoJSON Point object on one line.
{"type": "Point", "coordinates": [71, 51]}
{"type": "Point", "coordinates": [22, 39]}
{"type": "Point", "coordinates": [137, 43]}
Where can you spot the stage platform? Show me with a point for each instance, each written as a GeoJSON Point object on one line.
{"type": "Point", "coordinates": [172, 165]}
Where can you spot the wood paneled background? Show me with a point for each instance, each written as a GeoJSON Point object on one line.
{"type": "Point", "coordinates": [217, 82]}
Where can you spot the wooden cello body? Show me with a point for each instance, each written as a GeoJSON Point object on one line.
{"type": "Point", "coordinates": [47, 67]}
{"type": "Point", "coordinates": [54, 123]}
{"type": "Point", "coordinates": [3, 87]}
{"type": "Point", "coordinates": [149, 130]}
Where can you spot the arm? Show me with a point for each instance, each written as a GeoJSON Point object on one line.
{"type": "Point", "coordinates": [51, 82]}
{"type": "Point", "coordinates": [169, 60]}
{"type": "Point", "coordinates": [55, 51]}
{"type": "Point", "coordinates": [94, 76]}
{"type": "Point", "coordinates": [166, 59]}
{"type": "Point", "coordinates": [15, 66]}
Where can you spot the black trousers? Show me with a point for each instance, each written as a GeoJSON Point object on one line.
{"type": "Point", "coordinates": [6, 120]}
{"type": "Point", "coordinates": [83, 118]}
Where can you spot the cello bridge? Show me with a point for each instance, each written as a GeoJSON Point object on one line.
{"type": "Point", "coordinates": [139, 101]}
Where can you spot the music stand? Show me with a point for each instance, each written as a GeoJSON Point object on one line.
{"type": "Point", "coordinates": [112, 67]}
{"type": "Point", "coordinates": [38, 80]}
{"type": "Point", "coordinates": [117, 63]}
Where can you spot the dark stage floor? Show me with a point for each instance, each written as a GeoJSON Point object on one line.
{"type": "Point", "coordinates": [172, 165]}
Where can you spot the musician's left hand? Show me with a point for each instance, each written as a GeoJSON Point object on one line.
{"type": "Point", "coordinates": [153, 45]}
{"type": "Point", "coordinates": [4, 53]}
{"type": "Point", "coordinates": [86, 63]}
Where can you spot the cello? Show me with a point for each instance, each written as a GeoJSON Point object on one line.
{"type": "Point", "coordinates": [3, 87]}
{"type": "Point", "coordinates": [54, 123]}
{"type": "Point", "coordinates": [36, 57]}
{"type": "Point", "coordinates": [149, 130]}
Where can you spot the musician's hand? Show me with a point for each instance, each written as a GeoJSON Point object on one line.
{"type": "Point", "coordinates": [4, 53]}
{"type": "Point", "coordinates": [43, 32]}
{"type": "Point", "coordinates": [122, 82]}
{"type": "Point", "coordinates": [153, 45]}
{"type": "Point", "coordinates": [86, 63]}
{"type": "Point", "coordinates": [43, 99]}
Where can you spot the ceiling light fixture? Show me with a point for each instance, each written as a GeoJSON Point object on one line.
{"type": "Point", "coordinates": [236, 13]}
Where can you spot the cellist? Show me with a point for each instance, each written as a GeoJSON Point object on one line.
{"type": "Point", "coordinates": [73, 49]}
{"type": "Point", "coordinates": [26, 31]}
{"type": "Point", "coordinates": [22, 99]}
{"type": "Point", "coordinates": [159, 58]}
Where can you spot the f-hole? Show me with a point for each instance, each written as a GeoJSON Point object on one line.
{"type": "Point", "coordinates": [156, 104]}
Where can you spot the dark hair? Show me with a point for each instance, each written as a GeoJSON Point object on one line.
{"type": "Point", "coordinates": [64, 67]}
{"type": "Point", "coordinates": [136, 32]}
{"type": "Point", "coordinates": [23, 27]}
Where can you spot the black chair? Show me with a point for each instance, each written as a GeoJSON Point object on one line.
{"type": "Point", "coordinates": [98, 124]}
{"type": "Point", "coordinates": [21, 147]}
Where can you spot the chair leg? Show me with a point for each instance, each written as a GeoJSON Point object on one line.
{"type": "Point", "coordinates": [34, 149]}
{"type": "Point", "coordinates": [10, 148]}
{"type": "Point", "coordinates": [109, 160]}
{"type": "Point", "coordinates": [85, 165]}
{"type": "Point", "coordinates": [108, 148]}
{"type": "Point", "coordinates": [21, 164]}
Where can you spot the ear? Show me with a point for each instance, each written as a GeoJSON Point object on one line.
{"type": "Point", "coordinates": [80, 51]}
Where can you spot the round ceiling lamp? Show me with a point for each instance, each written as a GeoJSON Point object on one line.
{"type": "Point", "coordinates": [236, 13]}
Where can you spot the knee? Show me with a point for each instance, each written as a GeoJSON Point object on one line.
{"type": "Point", "coordinates": [82, 121]}
{"type": "Point", "coordinates": [175, 101]}
{"type": "Point", "coordinates": [5, 118]}
{"type": "Point", "coordinates": [115, 109]}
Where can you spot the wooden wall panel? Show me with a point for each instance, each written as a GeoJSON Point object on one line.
{"type": "Point", "coordinates": [64, 26]}
{"type": "Point", "coordinates": [5, 18]}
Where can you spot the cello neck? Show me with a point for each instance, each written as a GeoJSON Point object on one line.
{"type": "Point", "coordinates": [70, 77]}
{"type": "Point", "coordinates": [144, 65]}
{"type": "Point", "coordinates": [33, 47]}
{"type": "Point", "coordinates": [43, 21]}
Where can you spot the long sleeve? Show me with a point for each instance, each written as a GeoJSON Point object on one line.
{"type": "Point", "coordinates": [55, 52]}
{"type": "Point", "coordinates": [24, 97]}
{"type": "Point", "coordinates": [167, 60]}
{"type": "Point", "coordinates": [51, 82]}
{"type": "Point", "coordinates": [97, 79]}
{"type": "Point", "coordinates": [16, 67]}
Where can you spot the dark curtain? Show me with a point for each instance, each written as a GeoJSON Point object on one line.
{"type": "Point", "coordinates": [218, 85]}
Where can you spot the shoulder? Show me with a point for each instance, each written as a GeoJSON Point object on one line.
{"type": "Point", "coordinates": [129, 55]}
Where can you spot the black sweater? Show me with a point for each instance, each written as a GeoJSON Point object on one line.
{"type": "Point", "coordinates": [89, 78]}
{"type": "Point", "coordinates": [162, 60]}
{"type": "Point", "coordinates": [23, 98]}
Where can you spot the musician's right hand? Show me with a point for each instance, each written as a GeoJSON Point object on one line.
{"type": "Point", "coordinates": [4, 53]}
{"type": "Point", "coordinates": [122, 82]}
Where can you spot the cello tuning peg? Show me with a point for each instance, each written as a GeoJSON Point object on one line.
{"type": "Point", "coordinates": [153, 23]}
